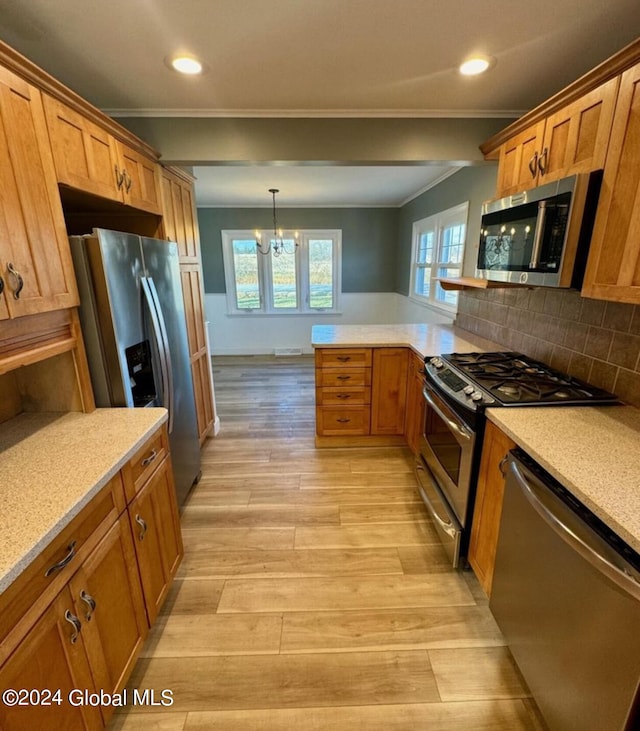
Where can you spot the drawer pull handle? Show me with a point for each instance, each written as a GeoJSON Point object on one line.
{"type": "Point", "coordinates": [343, 421]}
{"type": "Point", "coordinates": [19, 280]}
{"type": "Point", "coordinates": [533, 165]}
{"type": "Point", "coordinates": [1, 285]}
{"type": "Point", "coordinates": [343, 396]}
{"type": "Point", "coordinates": [502, 465]}
{"type": "Point", "coordinates": [90, 602]}
{"type": "Point", "coordinates": [119, 177]}
{"type": "Point", "coordinates": [542, 162]}
{"type": "Point", "coordinates": [343, 358]}
{"type": "Point", "coordinates": [75, 623]}
{"type": "Point", "coordinates": [344, 378]}
{"type": "Point", "coordinates": [148, 460]}
{"type": "Point", "coordinates": [143, 527]}
{"type": "Point", "coordinates": [127, 180]}
{"type": "Point", "coordinates": [71, 552]}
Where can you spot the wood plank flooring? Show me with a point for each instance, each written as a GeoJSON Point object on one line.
{"type": "Point", "coordinates": [314, 594]}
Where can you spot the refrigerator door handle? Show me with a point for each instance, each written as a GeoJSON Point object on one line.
{"type": "Point", "coordinates": [160, 335]}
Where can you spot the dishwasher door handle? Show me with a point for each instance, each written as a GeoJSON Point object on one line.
{"type": "Point", "coordinates": [579, 536]}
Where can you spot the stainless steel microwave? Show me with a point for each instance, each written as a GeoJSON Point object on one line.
{"type": "Point", "coordinates": [541, 236]}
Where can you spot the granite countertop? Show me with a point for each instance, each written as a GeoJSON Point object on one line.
{"type": "Point", "coordinates": [593, 451]}
{"type": "Point", "coordinates": [425, 340]}
{"type": "Point", "coordinates": [52, 464]}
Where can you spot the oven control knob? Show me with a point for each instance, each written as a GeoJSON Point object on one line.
{"type": "Point", "coordinates": [468, 390]}
{"type": "Point", "coordinates": [476, 396]}
{"type": "Point", "coordinates": [436, 362]}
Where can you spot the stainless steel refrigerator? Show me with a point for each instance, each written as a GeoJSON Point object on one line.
{"type": "Point", "coordinates": [134, 328]}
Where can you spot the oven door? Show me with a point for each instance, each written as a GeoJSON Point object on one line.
{"type": "Point", "coordinates": [444, 469]}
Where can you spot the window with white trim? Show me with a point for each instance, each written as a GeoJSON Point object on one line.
{"type": "Point", "coordinates": [306, 281]}
{"type": "Point", "coordinates": [438, 251]}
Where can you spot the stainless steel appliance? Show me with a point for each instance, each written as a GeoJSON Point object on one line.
{"type": "Point", "coordinates": [540, 236]}
{"type": "Point", "coordinates": [134, 328]}
{"type": "Point", "coordinates": [566, 595]}
{"type": "Point", "coordinates": [457, 389]}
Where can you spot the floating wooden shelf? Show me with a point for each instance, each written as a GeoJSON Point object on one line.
{"type": "Point", "coordinates": [474, 283]}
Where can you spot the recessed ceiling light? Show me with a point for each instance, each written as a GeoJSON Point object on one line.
{"type": "Point", "coordinates": [476, 65]}
{"type": "Point", "coordinates": [187, 64]}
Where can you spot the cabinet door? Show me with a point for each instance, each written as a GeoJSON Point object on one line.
{"type": "Point", "coordinates": [576, 137]}
{"type": "Point", "coordinates": [155, 525]}
{"type": "Point", "coordinates": [35, 259]}
{"type": "Point", "coordinates": [52, 656]}
{"type": "Point", "coordinates": [518, 166]}
{"type": "Point", "coordinates": [108, 600]}
{"type": "Point", "coordinates": [179, 216]}
{"type": "Point", "coordinates": [415, 403]}
{"type": "Point", "coordinates": [488, 507]}
{"type": "Point", "coordinates": [141, 180]}
{"type": "Point", "coordinates": [389, 390]}
{"type": "Point", "coordinates": [613, 266]}
{"type": "Point", "coordinates": [85, 155]}
{"type": "Point", "coordinates": [198, 354]}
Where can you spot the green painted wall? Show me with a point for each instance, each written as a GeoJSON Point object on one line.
{"type": "Point", "coordinates": [474, 184]}
{"type": "Point", "coordinates": [369, 238]}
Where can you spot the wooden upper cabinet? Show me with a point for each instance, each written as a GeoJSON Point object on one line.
{"type": "Point", "coordinates": [90, 159]}
{"type": "Point", "coordinates": [140, 176]}
{"type": "Point", "coordinates": [576, 137]}
{"type": "Point", "coordinates": [179, 216]}
{"type": "Point", "coordinates": [518, 166]}
{"type": "Point", "coordinates": [613, 266]}
{"type": "Point", "coordinates": [35, 261]}
{"type": "Point", "coordinates": [572, 140]}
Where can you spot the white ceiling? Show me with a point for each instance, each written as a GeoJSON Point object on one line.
{"type": "Point", "coordinates": [317, 58]}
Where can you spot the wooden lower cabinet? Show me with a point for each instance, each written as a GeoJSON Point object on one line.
{"type": "Point", "coordinates": [415, 413]}
{"type": "Point", "coordinates": [51, 657]}
{"type": "Point", "coordinates": [110, 572]}
{"type": "Point", "coordinates": [488, 507]}
{"type": "Point", "coordinates": [107, 599]}
{"type": "Point", "coordinates": [361, 392]}
{"type": "Point", "coordinates": [153, 515]}
{"type": "Point", "coordinates": [389, 390]}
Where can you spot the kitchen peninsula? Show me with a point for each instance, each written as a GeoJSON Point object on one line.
{"type": "Point", "coordinates": [592, 451]}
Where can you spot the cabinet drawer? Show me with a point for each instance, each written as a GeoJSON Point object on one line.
{"type": "Point", "coordinates": [343, 358]}
{"type": "Point", "coordinates": [343, 377]}
{"type": "Point", "coordinates": [335, 421]}
{"type": "Point", "coordinates": [144, 463]}
{"type": "Point", "coordinates": [26, 598]}
{"type": "Point", "coordinates": [354, 396]}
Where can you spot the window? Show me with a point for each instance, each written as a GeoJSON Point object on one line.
{"type": "Point", "coordinates": [438, 251]}
{"type": "Point", "coordinates": [305, 282]}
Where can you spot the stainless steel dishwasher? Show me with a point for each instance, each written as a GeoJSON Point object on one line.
{"type": "Point", "coordinates": [566, 595]}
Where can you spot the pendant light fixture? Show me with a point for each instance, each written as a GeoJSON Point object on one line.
{"type": "Point", "coordinates": [278, 241]}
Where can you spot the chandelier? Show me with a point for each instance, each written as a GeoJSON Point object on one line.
{"type": "Point", "coordinates": [278, 242]}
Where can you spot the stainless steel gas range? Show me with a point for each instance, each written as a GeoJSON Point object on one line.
{"type": "Point", "coordinates": [458, 388]}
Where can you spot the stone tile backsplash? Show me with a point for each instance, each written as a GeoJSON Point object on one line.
{"type": "Point", "coordinates": [594, 340]}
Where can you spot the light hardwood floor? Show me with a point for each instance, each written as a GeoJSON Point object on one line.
{"type": "Point", "coordinates": [314, 594]}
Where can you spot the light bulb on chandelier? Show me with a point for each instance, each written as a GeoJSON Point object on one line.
{"type": "Point", "coordinates": [278, 241]}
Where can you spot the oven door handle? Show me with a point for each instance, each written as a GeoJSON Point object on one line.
{"type": "Point", "coordinates": [459, 429]}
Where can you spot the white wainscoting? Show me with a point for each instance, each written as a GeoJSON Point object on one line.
{"type": "Point", "coordinates": [263, 335]}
